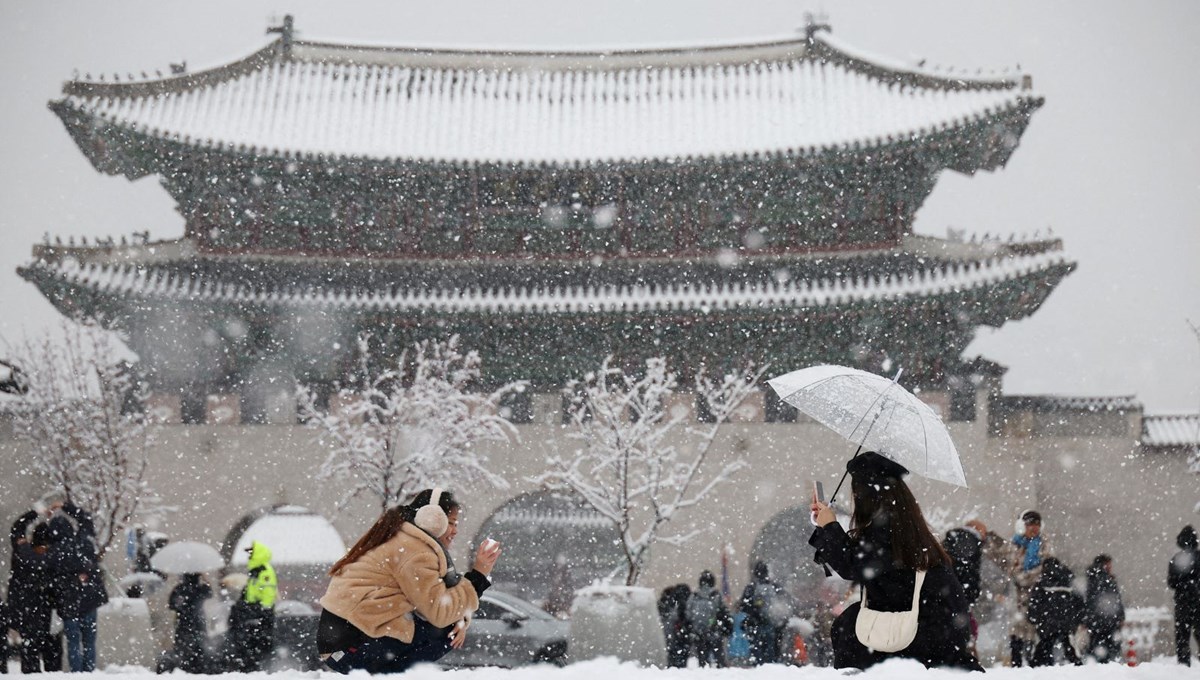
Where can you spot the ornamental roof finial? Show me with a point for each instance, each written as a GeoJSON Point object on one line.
{"type": "Point", "coordinates": [815, 22]}
{"type": "Point", "coordinates": [285, 32]}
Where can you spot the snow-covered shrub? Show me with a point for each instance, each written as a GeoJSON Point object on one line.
{"type": "Point", "coordinates": [411, 425]}
{"type": "Point", "coordinates": [82, 418]}
{"type": "Point", "coordinates": [640, 455]}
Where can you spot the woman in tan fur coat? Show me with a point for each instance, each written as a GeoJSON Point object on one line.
{"type": "Point", "coordinates": [395, 599]}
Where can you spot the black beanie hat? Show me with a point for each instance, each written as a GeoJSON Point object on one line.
{"type": "Point", "coordinates": [871, 467]}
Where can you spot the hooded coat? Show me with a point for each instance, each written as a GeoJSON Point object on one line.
{"type": "Point", "coordinates": [1054, 607]}
{"type": "Point", "coordinates": [943, 623]}
{"type": "Point", "coordinates": [965, 547]}
{"type": "Point", "coordinates": [78, 582]}
{"type": "Point", "coordinates": [30, 588]}
{"type": "Point", "coordinates": [1105, 610]}
{"type": "Point", "coordinates": [1183, 576]}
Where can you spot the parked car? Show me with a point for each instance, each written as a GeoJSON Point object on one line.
{"type": "Point", "coordinates": [508, 632]}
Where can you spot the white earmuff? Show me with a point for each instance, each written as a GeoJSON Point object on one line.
{"type": "Point", "coordinates": [431, 517]}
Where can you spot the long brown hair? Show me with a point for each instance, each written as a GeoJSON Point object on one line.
{"type": "Point", "coordinates": [889, 502]}
{"type": "Point", "coordinates": [389, 524]}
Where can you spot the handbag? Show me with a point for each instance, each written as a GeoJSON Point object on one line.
{"type": "Point", "coordinates": [889, 631]}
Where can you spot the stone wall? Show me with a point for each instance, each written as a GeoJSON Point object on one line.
{"type": "Point", "coordinates": [1097, 492]}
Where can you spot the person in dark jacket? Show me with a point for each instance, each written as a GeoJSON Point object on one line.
{"type": "Point", "coordinates": [710, 622]}
{"type": "Point", "coordinates": [888, 543]}
{"type": "Point", "coordinates": [187, 601]}
{"type": "Point", "coordinates": [78, 582]}
{"type": "Point", "coordinates": [767, 608]}
{"type": "Point", "coordinates": [30, 597]}
{"type": "Point", "coordinates": [672, 604]}
{"type": "Point", "coordinates": [965, 547]}
{"type": "Point", "coordinates": [1183, 577]}
{"type": "Point", "coordinates": [1056, 610]}
{"type": "Point", "coordinates": [1105, 611]}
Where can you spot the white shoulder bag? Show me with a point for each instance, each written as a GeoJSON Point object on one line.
{"type": "Point", "coordinates": [889, 631]}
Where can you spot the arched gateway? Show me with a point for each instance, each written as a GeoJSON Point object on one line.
{"type": "Point", "coordinates": [553, 545]}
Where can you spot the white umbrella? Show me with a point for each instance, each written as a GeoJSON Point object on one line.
{"type": "Point", "coordinates": [877, 414]}
{"type": "Point", "coordinates": [186, 557]}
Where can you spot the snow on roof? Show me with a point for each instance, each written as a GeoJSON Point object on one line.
{"type": "Point", "coordinates": [792, 96]}
{"type": "Point", "coordinates": [150, 283]}
{"type": "Point", "coordinates": [1176, 430]}
{"type": "Point", "coordinates": [1057, 402]}
{"type": "Point", "coordinates": [294, 537]}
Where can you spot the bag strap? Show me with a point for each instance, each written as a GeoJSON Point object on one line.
{"type": "Point", "coordinates": [917, 589]}
{"type": "Point", "coordinates": [920, 581]}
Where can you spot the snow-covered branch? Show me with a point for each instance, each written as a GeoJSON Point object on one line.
{"type": "Point", "coordinates": [639, 458]}
{"type": "Point", "coordinates": [411, 425]}
{"type": "Point", "coordinates": [83, 420]}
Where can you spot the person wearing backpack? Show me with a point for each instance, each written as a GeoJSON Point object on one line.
{"type": "Point", "coordinates": [710, 622]}
{"type": "Point", "coordinates": [767, 609]}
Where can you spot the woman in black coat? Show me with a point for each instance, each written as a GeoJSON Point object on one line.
{"type": "Point", "coordinates": [1056, 610]}
{"type": "Point", "coordinates": [1105, 611]}
{"type": "Point", "coordinates": [889, 541]}
{"type": "Point", "coordinates": [187, 601]}
{"type": "Point", "coordinates": [1184, 578]}
{"type": "Point", "coordinates": [30, 598]}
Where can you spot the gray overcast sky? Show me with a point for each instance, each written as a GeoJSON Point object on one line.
{"type": "Point", "coordinates": [1111, 163]}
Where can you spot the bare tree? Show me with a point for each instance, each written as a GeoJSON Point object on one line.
{"type": "Point", "coordinates": [81, 415]}
{"type": "Point", "coordinates": [640, 461]}
{"type": "Point", "coordinates": [402, 429]}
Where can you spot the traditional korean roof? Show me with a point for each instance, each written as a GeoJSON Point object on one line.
{"type": "Point", "coordinates": [401, 286]}
{"type": "Point", "coordinates": [1054, 402]}
{"type": "Point", "coordinates": [1171, 431]}
{"type": "Point", "coordinates": [804, 95]}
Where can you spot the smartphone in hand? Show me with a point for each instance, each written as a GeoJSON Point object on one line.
{"type": "Point", "coordinates": [818, 492]}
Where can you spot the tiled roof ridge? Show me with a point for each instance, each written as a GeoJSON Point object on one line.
{"type": "Point", "coordinates": [1088, 403]}
{"type": "Point", "coordinates": [1171, 430]}
{"type": "Point", "coordinates": [220, 108]}
{"type": "Point", "coordinates": [818, 44]}
{"type": "Point", "coordinates": [131, 279]}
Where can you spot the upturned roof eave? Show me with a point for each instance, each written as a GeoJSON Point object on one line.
{"type": "Point", "coordinates": [85, 134]}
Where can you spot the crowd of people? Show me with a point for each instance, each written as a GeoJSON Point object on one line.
{"type": "Point", "coordinates": [57, 586]}
{"type": "Point", "coordinates": [920, 593]}
{"type": "Point", "coordinates": [396, 599]}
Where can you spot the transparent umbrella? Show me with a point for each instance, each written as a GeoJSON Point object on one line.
{"type": "Point", "coordinates": [877, 414]}
{"type": "Point", "coordinates": [187, 557]}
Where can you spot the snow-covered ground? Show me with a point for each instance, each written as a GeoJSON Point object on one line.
{"type": "Point", "coordinates": [610, 669]}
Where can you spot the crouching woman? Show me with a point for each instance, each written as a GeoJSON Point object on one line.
{"type": "Point", "coordinates": [395, 599]}
{"type": "Point", "coordinates": [899, 565]}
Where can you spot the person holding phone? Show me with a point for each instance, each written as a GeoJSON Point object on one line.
{"type": "Point", "coordinates": [888, 545]}
{"type": "Point", "coordinates": [395, 599]}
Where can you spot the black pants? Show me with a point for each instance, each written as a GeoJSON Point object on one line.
{"type": "Point", "coordinates": [1104, 646]}
{"type": "Point", "coordinates": [710, 650]}
{"type": "Point", "coordinates": [1185, 629]}
{"type": "Point", "coordinates": [389, 655]}
{"type": "Point", "coordinates": [1021, 651]}
{"type": "Point", "coordinates": [41, 651]}
{"type": "Point", "coordinates": [1044, 653]}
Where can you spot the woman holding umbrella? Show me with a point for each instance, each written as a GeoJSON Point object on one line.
{"type": "Point", "coordinates": [901, 567]}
